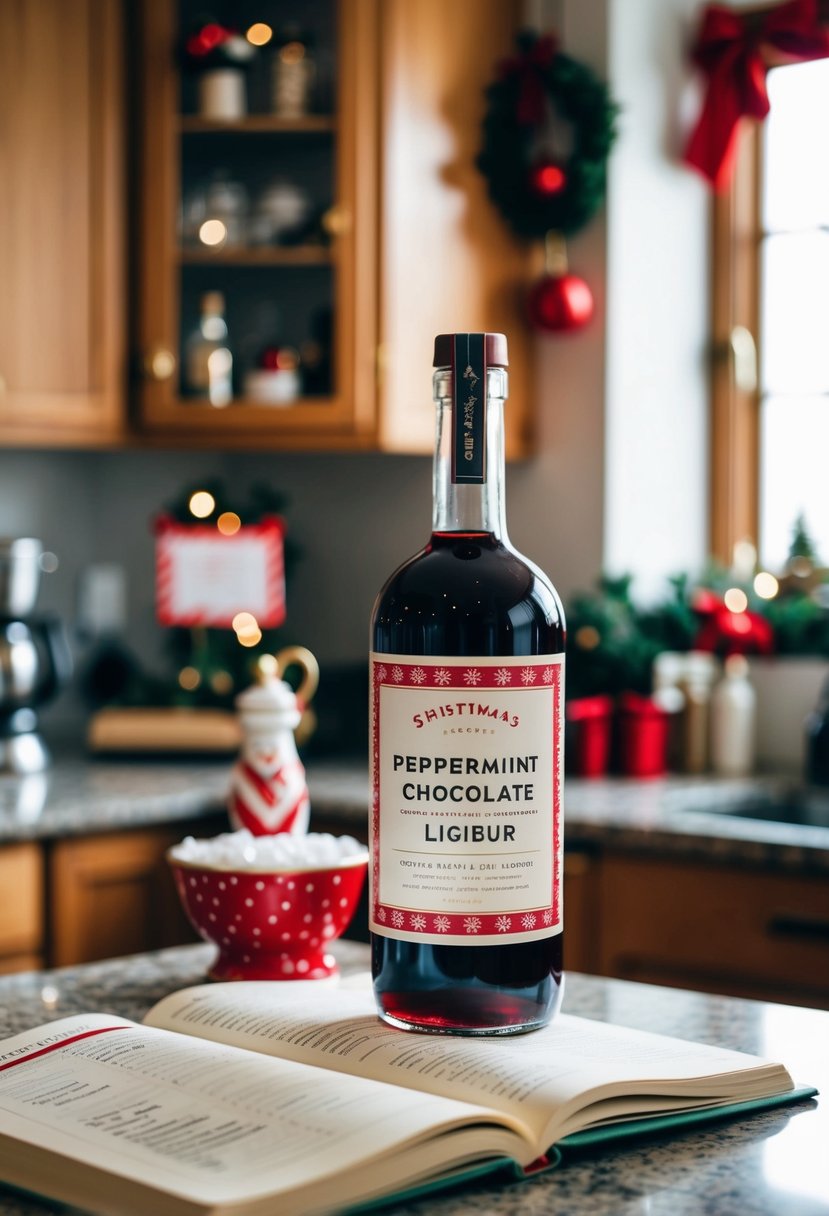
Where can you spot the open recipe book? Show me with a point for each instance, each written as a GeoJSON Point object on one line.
{"type": "Point", "coordinates": [253, 1098]}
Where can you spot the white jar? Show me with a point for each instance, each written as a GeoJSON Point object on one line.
{"type": "Point", "coordinates": [222, 94]}
{"type": "Point", "coordinates": [733, 720]}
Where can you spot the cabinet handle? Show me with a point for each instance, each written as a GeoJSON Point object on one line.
{"type": "Point", "coordinates": [799, 926]}
{"type": "Point", "coordinates": [337, 221]}
{"type": "Point", "coordinates": [2, 386]}
{"type": "Point", "coordinates": [159, 363]}
{"type": "Point", "coordinates": [743, 350]}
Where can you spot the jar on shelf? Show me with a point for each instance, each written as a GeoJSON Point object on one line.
{"type": "Point", "coordinates": [276, 381]}
{"type": "Point", "coordinates": [220, 58]}
{"type": "Point", "coordinates": [294, 72]}
{"type": "Point", "coordinates": [223, 94]}
{"type": "Point", "coordinates": [281, 208]}
{"type": "Point", "coordinates": [226, 212]}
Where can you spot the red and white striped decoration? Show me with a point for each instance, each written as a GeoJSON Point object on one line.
{"type": "Point", "coordinates": [269, 797]}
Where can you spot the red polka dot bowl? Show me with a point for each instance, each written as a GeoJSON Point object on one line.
{"type": "Point", "coordinates": [274, 924]}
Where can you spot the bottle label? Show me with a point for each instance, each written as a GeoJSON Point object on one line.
{"type": "Point", "coordinates": [469, 409]}
{"type": "Point", "coordinates": [466, 817]}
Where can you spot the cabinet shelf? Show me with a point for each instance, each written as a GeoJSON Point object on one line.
{"type": "Point", "coordinates": [249, 406]}
{"type": "Point", "coordinates": [291, 255]}
{"type": "Point", "coordinates": [254, 124]}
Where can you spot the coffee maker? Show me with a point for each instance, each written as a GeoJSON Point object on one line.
{"type": "Point", "coordinates": [35, 661]}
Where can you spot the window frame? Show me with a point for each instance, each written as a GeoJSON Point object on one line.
{"type": "Point", "coordinates": [736, 241]}
{"type": "Point", "coordinates": [735, 305]}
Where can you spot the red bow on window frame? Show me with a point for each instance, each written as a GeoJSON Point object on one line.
{"type": "Point", "coordinates": [735, 50]}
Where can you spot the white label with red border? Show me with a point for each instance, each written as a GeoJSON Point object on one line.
{"type": "Point", "coordinates": [204, 578]}
{"type": "Point", "coordinates": [466, 819]}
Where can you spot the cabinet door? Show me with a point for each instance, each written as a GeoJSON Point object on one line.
{"type": "Point", "coordinates": [112, 895]}
{"type": "Point", "coordinates": [448, 260]}
{"type": "Point", "coordinates": [716, 929]}
{"type": "Point", "coordinates": [62, 288]}
{"type": "Point", "coordinates": [581, 911]}
{"type": "Point", "coordinates": [21, 907]}
{"type": "Point", "coordinates": [274, 292]}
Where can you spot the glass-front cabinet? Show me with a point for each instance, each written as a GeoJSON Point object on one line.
{"type": "Point", "coordinates": [256, 262]}
{"type": "Point", "coordinates": [308, 215]}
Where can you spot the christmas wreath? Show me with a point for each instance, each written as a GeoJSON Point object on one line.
{"type": "Point", "coordinates": [536, 183]}
{"type": "Point", "coordinates": [547, 133]}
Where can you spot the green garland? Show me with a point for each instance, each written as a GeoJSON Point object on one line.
{"type": "Point", "coordinates": [511, 137]}
{"type": "Point", "coordinates": [612, 642]}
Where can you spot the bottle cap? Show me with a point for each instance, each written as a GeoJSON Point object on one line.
{"type": "Point", "coordinates": [495, 346]}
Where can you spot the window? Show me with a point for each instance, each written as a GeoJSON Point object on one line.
{"type": "Point", "coordinates": [770, 433]}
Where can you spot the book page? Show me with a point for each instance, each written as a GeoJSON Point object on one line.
{"type": "Point", "coordinates": [203, 1120]}
{"type": "Point", "coordinates": [540, 1078]}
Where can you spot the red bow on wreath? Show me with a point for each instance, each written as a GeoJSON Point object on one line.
{"type": "Point", "coordinates": [732, 50]}
{"type": "Point", "coordinates": [528, 67]}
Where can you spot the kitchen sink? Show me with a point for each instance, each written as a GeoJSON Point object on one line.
{"type": "Point", "coordinates": [780, 804]}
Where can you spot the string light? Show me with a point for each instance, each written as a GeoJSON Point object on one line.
{"type": "Point", "coordinates": [213, 232]}
{"type": "Point", "coordinates": [228, 523]}
{"type": "Point", "coordinates": [202, 504]}
{"type": "Point", "coordinates": [259, 34]}
{"type": "Point", "coordinates": [735, 600]}
{"type": "Point", "coordinates": [189, 678]}
{"type": "Point", "coordinates": [766, 585]}
{"type": "Point", "coordinates": [221, 682]}
{"type": "Point", "coordinates": [247, 629]}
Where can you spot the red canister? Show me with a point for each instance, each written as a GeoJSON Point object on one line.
{"type": "Point", "coordinates": [643, 736]}
{"type": "Point", "coordinates": [590, 723]}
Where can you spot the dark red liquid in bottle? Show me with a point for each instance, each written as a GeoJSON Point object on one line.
{"type": "Point", "coordinates": [467, 593]}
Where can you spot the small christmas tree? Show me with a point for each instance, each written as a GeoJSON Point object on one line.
{"type": "Point", "coordinates": [802, 544]}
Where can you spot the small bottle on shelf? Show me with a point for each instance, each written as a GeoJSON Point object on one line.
{"type": "Point", "coordinates": [467, 724]}
{"type": "Point", "coordinates": [208, 359]}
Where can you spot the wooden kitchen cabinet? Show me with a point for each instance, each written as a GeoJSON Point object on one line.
{"type": "Point", "coordinates": [408, 243]}
{"type": "Point", "coordinates": [581, 910]}
{"type": "Point", "coordinates": [113, 894]}
{"type": "Point", "coordinates": [715, 928]}
{"type": "Point", "coordinates": [98, 134]}
{"type": "Point", "coordinates": [63, 336]}
{"type": "Point", "coordinates": [21, 908]}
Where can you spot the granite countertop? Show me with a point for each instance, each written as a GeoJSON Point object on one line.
{"type": "Point", "coordinates": [677, 815]}
{"type": "Point", "coordinates": [762, 1165]}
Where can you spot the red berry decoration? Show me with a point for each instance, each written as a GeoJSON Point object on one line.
{"type": "Point", "coordinates": [560, 303]}
{"type": "Point", "coordinates": [548, 178]}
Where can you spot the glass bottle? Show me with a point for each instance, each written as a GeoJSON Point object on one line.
{"type": "Point", "coordinates": [467, 717]}
{"type": "Point", "coordinates": [294, 70]}
{"type": "Point", "coordinates": [208, 359]}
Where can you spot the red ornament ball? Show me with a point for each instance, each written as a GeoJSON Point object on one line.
{"type": "Point", "coordinates": [547, 179]}
{"type": "Point", "coordinates": [560, 303]}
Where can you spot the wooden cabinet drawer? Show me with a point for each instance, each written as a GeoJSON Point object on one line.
{"type": "Point", "coordinates": [718, 928]}
{"type": "Point", "coordinates": [113, 894]}
{"type": "Point", "coordinates": [581, 907]}
{"type": "Point", "coordinates": [21, 902]}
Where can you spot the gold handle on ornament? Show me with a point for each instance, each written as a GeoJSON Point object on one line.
{"type": "Point", "coordinates": [298, 656]}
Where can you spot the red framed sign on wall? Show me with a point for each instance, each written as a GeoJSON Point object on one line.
{"type": "Point", "coordinates": [205, 578]}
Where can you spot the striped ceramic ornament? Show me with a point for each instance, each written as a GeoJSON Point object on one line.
{"type": "Point", "coordinates": [268, 790]}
